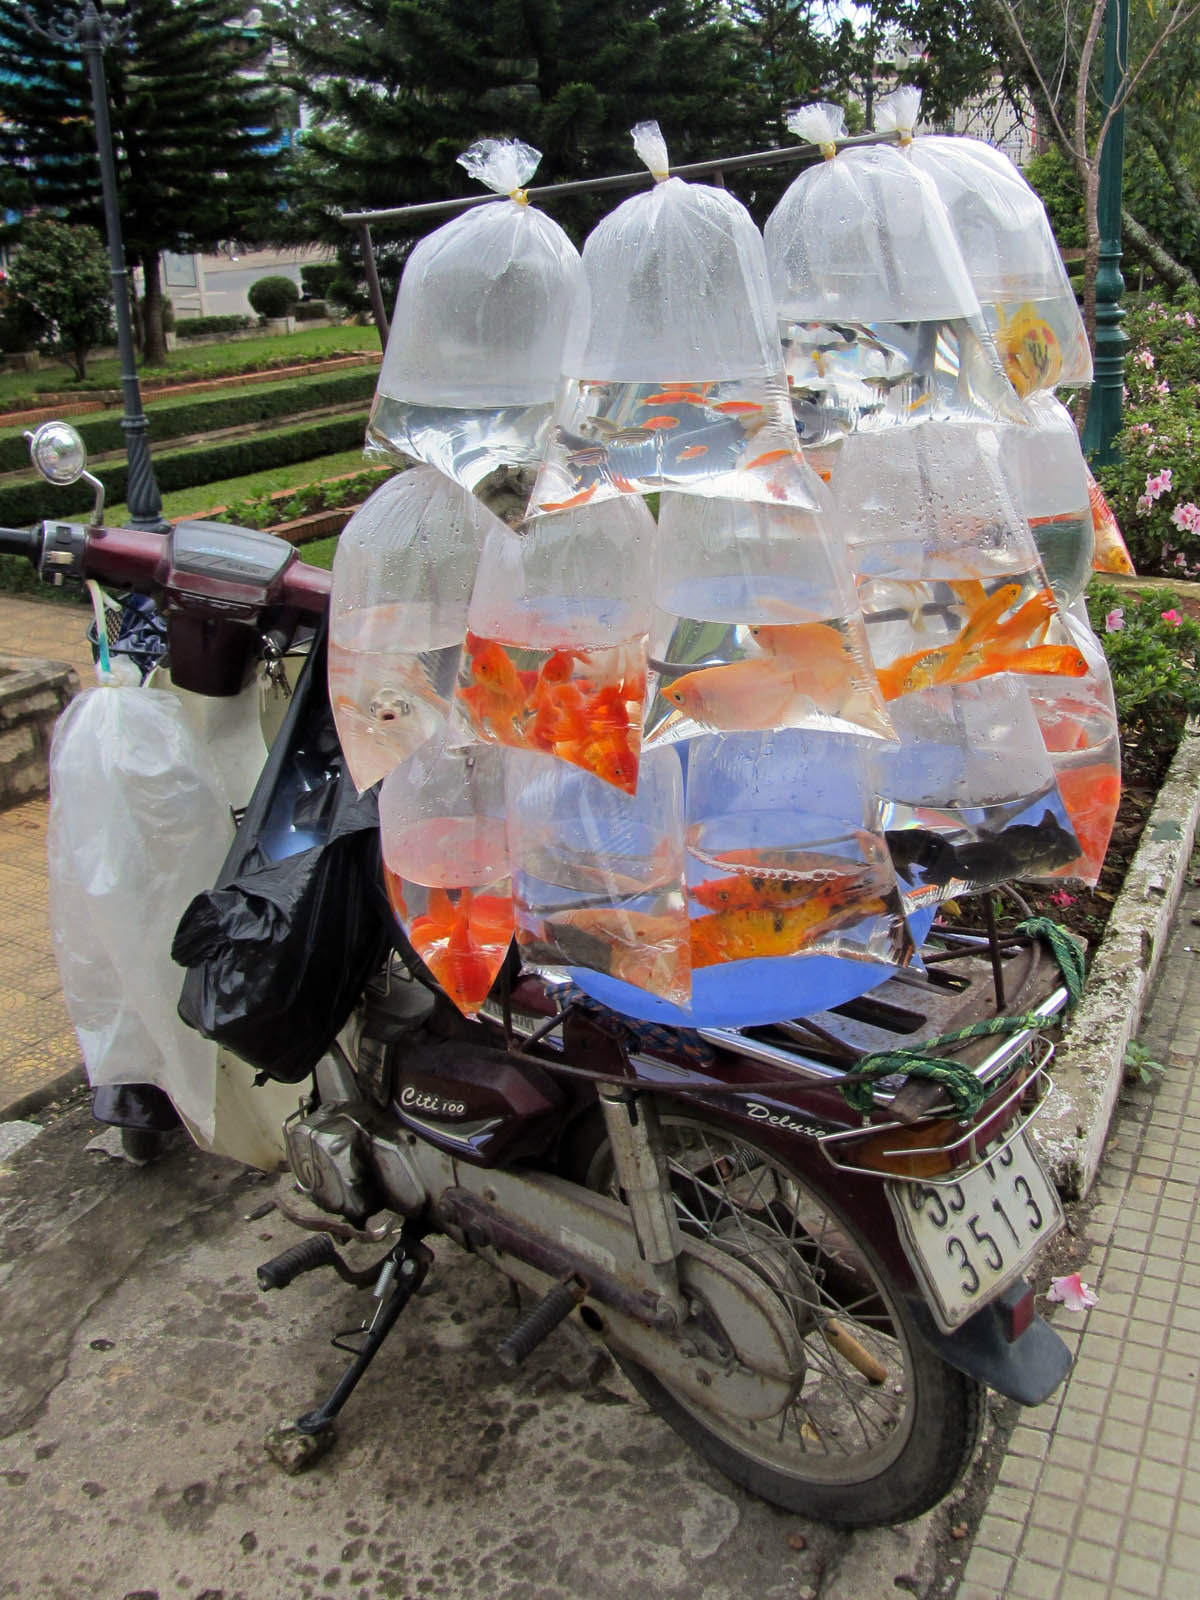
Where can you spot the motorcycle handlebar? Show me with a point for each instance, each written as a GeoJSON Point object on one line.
{"type": "Point", "coordinates": [138, 556]}
{"type": "Point", "coordinates": [21, 542]}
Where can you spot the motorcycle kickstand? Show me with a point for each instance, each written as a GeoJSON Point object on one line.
{"type": "Point", "coordinates": [296, 1445]}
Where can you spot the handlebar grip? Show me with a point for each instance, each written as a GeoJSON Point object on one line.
{"type": "Point", "coordinates": [22, 542]}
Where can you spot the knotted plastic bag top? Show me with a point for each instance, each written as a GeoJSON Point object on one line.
{"type": "Point", "coordinates": [862, 237]}
{"type": "Point", "coordinates": [487, 302]}
{"type": "Point", "coordinates": [402, 579]}
{"type": "Point", "coordinates": [679, 285]}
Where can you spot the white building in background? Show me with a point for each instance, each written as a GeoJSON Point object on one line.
{"type": "Point", "coordinates": [987, 116]}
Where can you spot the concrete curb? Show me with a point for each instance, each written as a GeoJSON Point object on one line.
{"type": "Point", "coordinates": [1088, 1066]}
{"type": "Point", "coordinates": [57, 1088]}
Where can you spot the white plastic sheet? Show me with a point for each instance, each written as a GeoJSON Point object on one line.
{"type": "Point", "coordinates": [139, 824]}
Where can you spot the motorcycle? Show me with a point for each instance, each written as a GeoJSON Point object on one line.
{"type": "Point", "coordinates": [808, 1259]}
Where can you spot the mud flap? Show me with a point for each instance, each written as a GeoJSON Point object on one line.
{"type": "Point", "coordinates": [1028, 1369]}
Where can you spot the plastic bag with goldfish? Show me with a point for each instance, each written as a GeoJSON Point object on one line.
{"type": "Point", "coordinates": [786, 858]}
{"type": "Point", "coordinates": [1112, 553]}
{"type": "Point", "coordinates": [445, 859]}
{"type": "Point", "coordinates": [1009, 248]}
{"type": "Point", "coordinates": [756, 624]}
{"type": "Point", "coordinates": [598, 875]}
{"type": "Point", "coordinates": [881, 327]}
{"type": "Point", "coordinates": [680, 383]}
{"type": "Point", "coordinates": [969, 798]}
{"type": "Point", "coordinates": [1078, 723]}
{"type": "Point", "coordinates": [402, 578]}
{"type": "Point", "coordinates": [950, 583]}
{"type": "Point", "coordinates": [554, 658]}
{"type": "Point", "coordinates": [486, 308]}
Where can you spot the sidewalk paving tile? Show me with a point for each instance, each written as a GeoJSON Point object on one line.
{"type": "Point", "coordinates": [1099, 1491]}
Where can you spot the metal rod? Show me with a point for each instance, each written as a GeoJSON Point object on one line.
{"type": "Point", "coordinates": [374, 288]}
{"type": "Point", "coordinates": [808, 153]}
{"type": "Point", "coordinates": [989, 917]}
{"type": "Point", "coordinates": [141, 493]}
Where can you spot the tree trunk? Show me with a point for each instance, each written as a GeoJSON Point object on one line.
{"type": "Point", "coordinates": [77, 355]}
{"type": "Point", "coordinates": [155, 348]}
{"type": "Point", "coordinates": [1173, 273]}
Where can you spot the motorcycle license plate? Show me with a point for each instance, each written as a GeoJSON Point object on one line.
{"type": "Point", "coordinates": [968, 1240]}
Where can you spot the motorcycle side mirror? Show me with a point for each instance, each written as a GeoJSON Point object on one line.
{"type": "Point", "coordinates": [59, 456]}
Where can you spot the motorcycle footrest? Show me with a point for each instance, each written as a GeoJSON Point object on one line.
{"type": "Point", "coordinates": [554, 1307]}
{"type": "Point", "coordinates": [306, 1256]}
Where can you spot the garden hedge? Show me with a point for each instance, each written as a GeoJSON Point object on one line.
{"type": "Point", "coordinates": [24, 503]}
{"type": "Point", "coordinates": [177, 419]}
{"type": "Point", "coordinates": [197, 327]}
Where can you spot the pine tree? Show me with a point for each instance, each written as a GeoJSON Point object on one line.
{"type": "Point", "coordinates": [193, 128]}
{"type": "Point", "coordinates": [399, 88]}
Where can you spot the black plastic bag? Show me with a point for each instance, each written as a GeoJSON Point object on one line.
{"type": "Point", "coordinates": [278, 952]}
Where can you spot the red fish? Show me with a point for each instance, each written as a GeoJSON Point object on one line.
{"type": "Point", "coordinates": [770, 457]}
{"type": "Point", "coordinates": [659, 424]}
{"type": "Point", "coordinates": [693, 452]}
{"type": "Point", "coordinates": [737, 408]}
{"type": "Point", "coordinates": [579, 499]}
{"type": "Point", "coordinates": [1091, 795]}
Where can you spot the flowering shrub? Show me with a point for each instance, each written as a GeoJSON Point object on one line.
{"type": "Point", "coordinates": [1153, 652]}
{"type": "Point", "coordinates": [1154, 489]}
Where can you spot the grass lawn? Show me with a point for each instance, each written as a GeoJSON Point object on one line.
{"type": "Point", "coordinates": [190, 502]}
{"type": "Point", "coordinates": [206, 360]}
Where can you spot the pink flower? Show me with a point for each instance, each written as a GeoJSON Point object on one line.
{"type": "Point", "coordinates": [1162, 387]}
{"type": "Point", "coordinates": [1115, 620]}
{"type": "Point", "coordinates": [1060, 897]}
{"type": "Point", "coordinates": [1158, 483]}
{"type": "Point", "coordinates": [1186, 516]}
{"type": "Point", "coordinates": [1144, 503]}
{"type": "Point", "coordinates": [1172, 617]}
{"type": "Point", "coordinates": [1146, 358]}
{"type": "Point", "coordinates": [1072, 1292]}
{"type": "Point", "coordinates": [1189, 319]}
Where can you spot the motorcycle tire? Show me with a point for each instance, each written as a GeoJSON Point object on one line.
{"type": "Point", "coordinates": [848, 1449]}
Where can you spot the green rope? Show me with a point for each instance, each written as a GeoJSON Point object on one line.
{"type": "Point", "coordinates": [958, 1080]}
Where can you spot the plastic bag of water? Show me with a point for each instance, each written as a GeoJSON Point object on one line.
{"type": "Point", "coordinates": [486, 307]}
{"type": "Point", "coordinates": [598, 877]}
{"type": "Point", "coordinates": [402, 579]}
{"type": "Point", "coordinates": [1009, 248]}
{"type": "Point", "coordinates": [1078, 724]}
{"type": "Point", "coordinates": [880, 324]}
{"type": "Point", "coordinates": [1050, 476]}
{"type": "Point", "coordinates": [786, 856]}
{"type": "Point", "coordinates": [554, 658]}
{"type": "Point", "coordinates": [968, 797]}
{"type": "Point", "coordinates": [680, 382]}
{"type": "Point", "coordinates": [756, 624]}
{"type": "Point", "coordinates": [445, 858]}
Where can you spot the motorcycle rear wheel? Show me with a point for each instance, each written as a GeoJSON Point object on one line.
{"type": "Point", "coordinates": [846, 1449]}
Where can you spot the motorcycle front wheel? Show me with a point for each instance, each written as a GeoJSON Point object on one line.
{"type": "Point", "coordinates": [877, 1429]}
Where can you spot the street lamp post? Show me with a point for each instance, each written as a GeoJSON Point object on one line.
{"type": "Point", "coordinates": [1104, 407]}
{"type": "Point", "coordinates": [92, 32]}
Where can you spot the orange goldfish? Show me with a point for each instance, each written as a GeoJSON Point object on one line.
{"type": "Point", "coordinates": [1029, 349]}
{"type": "Point", "coordinates": [768, 458]}
{"type": "Point", "coordinates": [746, 932]}
{"type": "Point", "coordinates": [608, 755]}
{"type": "Point", "coordinates": [1112, 554]}
{"type": "Point", "coordinates": [737, 408]}
{"type": "Point", "coordinates": [746, 891]}
{"type": "Point", "coordinates": [659, 424]}
{"type": "Point", "coordinates": [808, 663]}
{"type": "Point", "coordinates": [693, 452]}
{"type": "Point", "coordinates": [645, 949]}
{"type": "Point", "coordinates": [982, 646]}
{"type": "Point", "coordinates": [579, 499]}
{"type": "Point", "coordinates": [1091, 796]}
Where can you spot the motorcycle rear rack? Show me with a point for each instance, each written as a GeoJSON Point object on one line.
{"type": "Point", "coordinates": [1037, 1083]}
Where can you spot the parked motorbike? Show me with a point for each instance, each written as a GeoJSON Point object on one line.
{"type": "Point", "coordinates": [806, 1259]}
